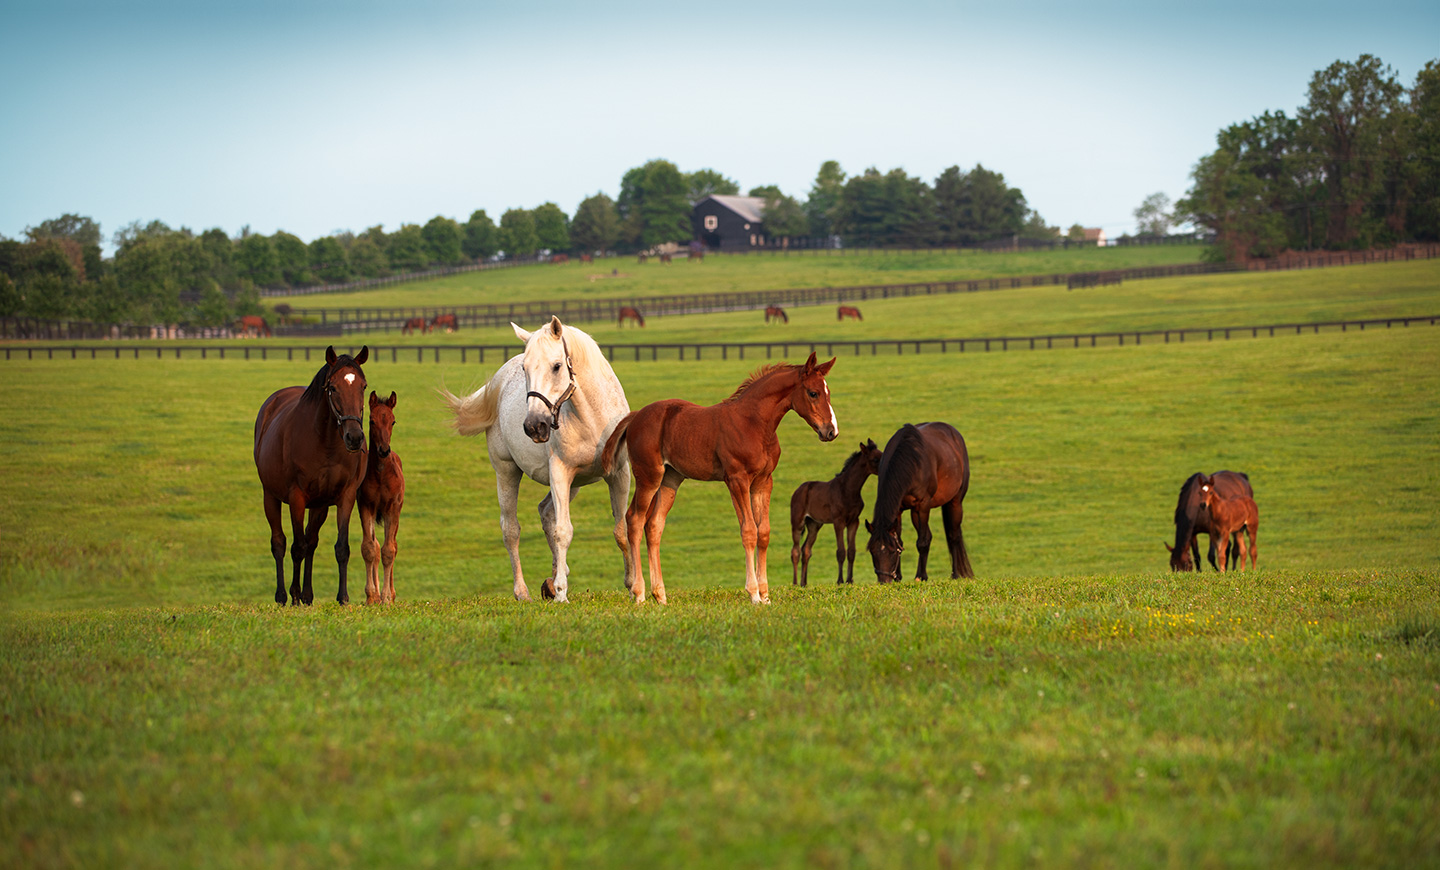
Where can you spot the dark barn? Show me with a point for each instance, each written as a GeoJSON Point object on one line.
{"type": "Point", "coordinates": [729, 223]}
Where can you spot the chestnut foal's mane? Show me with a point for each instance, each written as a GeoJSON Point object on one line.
{"type": "Point", "coordinates": [758, 375]}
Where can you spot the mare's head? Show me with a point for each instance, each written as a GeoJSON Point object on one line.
{"type": "Point", "coordinates": [549, 377]}
{"type": "Point", "coordinates": [885, 548]}
{"type": "Point", "coordinates": [342, 382]}
{"type": "Point", "coordinates": [811, 398]}
{"type": "Point", "coordinates": [1180, 558]}
{"type": "Point", "coordinates": [382, 423]}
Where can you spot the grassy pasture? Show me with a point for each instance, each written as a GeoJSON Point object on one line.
{"type": "Point", "coordinates": [1074, 704]}
{"type": "Point", "coordinates": [732, 272]}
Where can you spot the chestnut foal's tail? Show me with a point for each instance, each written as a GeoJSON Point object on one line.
{"type": "Point", "coordinates": [615, 443]}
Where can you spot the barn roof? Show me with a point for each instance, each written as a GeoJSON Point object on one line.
{"type": "Point", "coordinates": [751, 208]}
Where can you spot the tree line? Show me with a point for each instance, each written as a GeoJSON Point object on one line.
{"type": "Point", "coordinates": [1357, 166]}
{"type": "Point", "coordinates": [160, 274]}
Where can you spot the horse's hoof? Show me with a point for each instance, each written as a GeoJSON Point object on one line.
{"type": "Point", "coordinates": [522, 595]}
{"type": "Point", "coordinates": [764, 599]}
{"type": "Point", "coordinates": [547, 589]}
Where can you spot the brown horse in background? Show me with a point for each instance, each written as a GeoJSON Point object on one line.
{"type": "Point", "coordinates": [559, 258]}
{"type": "Point", "coordinates": [627, 312]}
{"type": "Point", "coordinates": [382, 495]}
{"type": "Point", "coordinates": [1231, 516]}
{"type": "Point", "coordinates": [776, 312]}
{"type": "Point", "coordinates": [587, 258]}
{"type": "Point", "coordinates": [309, 452]}
{"type": "Point", "coordinates": [837, 501]}
{"type": "Point", "coordinates": [697, 256]}
{"type": "Point", "coordinates": [1192, 519]}
{"type": "Point", "coordinates": [254, 324]}
{"type": "Point", "coordinates": [845, 311]}
{"type": "Point", "coordinates": [924, 466]}
{"type": "Point", "coordinates": [413, 324]}
{"type": "Point", "coordinates": [449, 322]}
{"type": "Point", "coordinates": [734, 441]}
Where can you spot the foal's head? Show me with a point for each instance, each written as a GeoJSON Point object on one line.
{"type": "Point", "coordinates": [811, 398]}
{"type": "Point", "coordinates": [870, 457]}
{"type": "Point", "coordinates": [344, 389]}
{"type": "Point", "coordinates": [885, 548]}
{"type": "Point", "coordinates": [382, 423]}
{"type": "Point", "coordinates": [549, 377]}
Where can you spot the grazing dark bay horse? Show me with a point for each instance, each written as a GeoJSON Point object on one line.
{"type": "Point", "coordinates": [1231, 516]}
{"type": "Point", "coordinates": [845, 311]}
{"type": "Point", "coordinates": [664, 258]}
{"type": "Point", "coordinates": [1192, 519]}
{"type": "Point", "coordinates": [382, 495]}
{"type": "Point", "coordinates": [448, 322]}
{"type": "Point", "coordinates": [838, 501]}
{"type": "Point", "coordinates": [587, 258]}
{"type": "Point", "coordinates": [309, 451]}
{"type": "Point", "coordinates": [672, 440]}
{"type": "Point", "coordinates": [413, 324]}
{"type": "Point", "coordinates": [630, 313]}
{"type": "Point", "coordinates": [254, 324]}
{"type": "Point", "coordinates": [924, 466]}
{"type": "Point", "coordinates": [776, 312]}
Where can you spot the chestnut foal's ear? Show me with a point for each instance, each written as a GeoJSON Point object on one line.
{"type": "Point", "coordinates": [556, 325]}
{"type": "Point", "coordinates": [824, 369]}
{"type": "Point", "coordinates": [810, 363]}
{"type": "Point", "coordinates": [330, 355]}
{"type": "Point", "coordinates": [374, 399]}
{"type": "Point", "coordinates": [520, 333]}
{"type": "Point", "coordinates": [363, 355]}
{"type": "Point", "coordinates": [391, 401]}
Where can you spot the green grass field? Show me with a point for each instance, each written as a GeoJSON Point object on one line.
{"type": "Point", "coordinates": [1075, 703]}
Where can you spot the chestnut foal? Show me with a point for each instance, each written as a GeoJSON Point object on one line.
{"type": "Point", "coordinates": [1228, 516]}
{"type": "Point", "coordinates": [382, 494]}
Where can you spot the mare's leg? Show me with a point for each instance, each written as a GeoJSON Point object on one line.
{"type": "Point", "coordinates": [299, 550]}
{"type": "Point", "coordinates": [1195, 552]}
{"type": "Point", "coordinates": [312, 544]}
{"type": "Point", "coordinates": [921, 520]}
{"type": "Point", "coordinates": [850, 531]}
{"type": "Point", "coordinates": [277, 544]}
{"type": "Point", "coordinates": [387, 555]}
{"type": "Point", "coordinates": [619, 484]}
{"type": "Point", "coordinates": [760, 505]}
{"type": "Point", "coordinates": [953, 515]}
{"type": "Point", "coordinates": [655, 529]}
{"type": "Point", "coordinates": [547, 524]}
{"type": "Point", "coordinates": [561, 476]}
{"type": "Point", "coordinates": [507, 492]}
{"type": "Point", "coordinates": [744, 512]}
{"type": "Point", "coordinates": [370, 552]}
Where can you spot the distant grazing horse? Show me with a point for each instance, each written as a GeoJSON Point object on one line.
{"type": "Point", "coordinates": [734, 441]}
{"type": "Point", "coordinates": [587, 258]}
{"type": "Point", "coordinates": [627, 312]}
{"type": "Point", "coordinates": [837, 501]}
{"type": "Point", "coordinates": [382, 495]}
{"type": "Point", "coordinates": [776, 312]}
{"type": "Point", "coordinates": [924, 466]}
{"type": "Point", "coordinates": [1229, 516]}
{"type": "Point", "coordinates": [640, 258]}
{"type": "Point", "coordinates": [664, 257]}
{"type": "Point", "coordinates": [413, 324]}
{"type": "Point", "coordinates": [845, 311]}
{"type": "Point", "coordinates": [309, 451]}
{"type": "Point", "coordinates": [546, 414]}
{"type": "Point", "coordinates": [697, 256]}
{"type": "Point", "coordinates": [283, 311]}
{"type": "Point", "coordinates": [557, 259]}
{"type": "Point", "coordinates": [1192, 519]}
{"type": "Point", "coordinates": [448, 322]}
{"type": "Point", "coordinates": [254, 324]}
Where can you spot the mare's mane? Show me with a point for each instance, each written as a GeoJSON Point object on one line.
{"type": "Point", "coordinates": [758, 375]}
{"type": "Point", "coordinates": [897, 469]}
{"type": "Point", "coordinates": [316, 391]}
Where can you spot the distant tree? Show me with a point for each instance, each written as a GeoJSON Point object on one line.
{"type": "Point", "coordinates": [481, 238]}
{"type": "Point", "coordinates": [134, 232]}
{"type": "Point", "coordinates": [705, 182]}
{"type": "Point", "coordinates": [1037, 230]}
{"type": "Point", "coordinates": [517, 233]}
{"type": "Point", "coordinates": [213, 308]}
{"type": "Point", "coordinates": [328, 260]}
{"type": "Point", "coordinates": [293, 258]}
{"type": "Point", "coordinates": [145, 271]}
{"type": "Point", "coordinates": [366, 258]}
{"type": "Point", "coordinates": [443, 241]}
{"type": "Point", "coordinates": [552, 227]}
{"type": "Point", "coordinates": [654, 204]}
{"type": "Point", "coordinates": [1076, 233]}
{"type": "Point", "coordinates": [219, 251]}
{"type": "Point", "coordinates": [783, 215]}
{"type": "Point", "coordinates": [1423, 219]}
{"type": "Point", "coordinates": [11, 302]}
{"type": "Point", "coordinates": [596, 226]}
{"type": "Point", "coordinates": [255, 261]}
{"type": "Point", "coordinates": [1153, 217]}
{"type": "Point", "coordinates": [376, 235]}
{"type": "Point", "coordinates": [84, 231]}
{"type": "Point", "coordinates": [406, 249]}
{"type": "Point", "coordinates": [888, 209]}
{"type": "Point", "coordinates": [825, 198]}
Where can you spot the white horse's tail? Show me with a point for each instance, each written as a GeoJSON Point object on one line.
{"type": "Point", "coordinates": [477, 412]}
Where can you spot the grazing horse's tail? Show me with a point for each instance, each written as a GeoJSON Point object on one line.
{"type": "Point", "coordinates": [962, 556]}
{"type": "Point", "coordinates": [615, 443]}
{"type": "Point", "coordinates": [477, 412]}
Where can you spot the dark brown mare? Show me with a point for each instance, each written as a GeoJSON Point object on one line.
{"type": "Point", "coordinates": [776, 312]}
{"type": "Point", "coordinates": [845, 311]}
{"type": "Point", "coordinates": [413, 324]}
{"type": "Point", "coordinates": [924, 466]}
{"type": "Point", "coordinates": [449, 322]}
{"type": "Point", "coordinates": [1192, 519]}
{"type": "Point", "coordinates": [309, 451]}
{"type": "Point", "coordinates": [839, 501]}
{"type": "Point", "coordinates": [254, 323]}
{"type": "Point", "coordinates": [1231, 516]}
{"type": "Point", "coordinates": [631, 313]}
{"type": "Point", "coordinates": [672, 440]}
{"type": "Point", "coordinates": [382, 495]}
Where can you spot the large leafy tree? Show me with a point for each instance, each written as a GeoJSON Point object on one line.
{"type": "Point", "coordinates": [705, 182]}
{"type": "Point", "coordinates": [255, 260]}
{"type": "Point", "coordinates": [406, 248]}
{"type": "Point", "coordinates": [517, 233]}
{"type": "Point", "coordinates": [443, 241]}
{"type": "Point", "coordinates": [1424, 216]}
{"type": "Point", "coordinates": [367, 258]}
{"type": "Point", "coordinates": [293, 258]}
{"type": "Point", "coordinates": [824, 198]}
{"type": "Point", "coordinates": [886, 209]}
{"type": "Point", "coordinates": [552, 227]}
{"type": "Point", "coordinates": [596, 226]}
{"type": "Point", "coordinates": [654, 204]}
{"type": "Point", "coordinates": [83, 231]}
{"type": "Point", "coordinates": [783, 215]}
{"type": "Point", "coordinates": [481, 237]}
{"type": "Point", "coordinates": [328, 260]}
{"type": "Point", "coordinates": [1153, 216]}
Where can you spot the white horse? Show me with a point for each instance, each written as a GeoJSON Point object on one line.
{"type": "Point", "coordinates": [546, 414]}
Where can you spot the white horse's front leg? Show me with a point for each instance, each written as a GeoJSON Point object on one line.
{"type": "Point", "coordinates": [507, 491]}
{"type": "Point", "coordinates": [619, 483]}
{"type": "Point", "coordinates": [561, 476]}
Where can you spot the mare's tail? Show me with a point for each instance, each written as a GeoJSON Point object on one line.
{"type": "Point", "coordinates": [477, 412]}
{"type": "Point", "coordinates": [962, 557]}
{"type": "Point", "coordinates": [615, 443]}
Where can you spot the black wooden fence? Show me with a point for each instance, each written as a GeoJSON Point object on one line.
{"type": "Point", "coordinates": [756, 350]}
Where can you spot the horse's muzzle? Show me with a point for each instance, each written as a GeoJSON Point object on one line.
{"type": "Point", "coordinates": [353, 443]}
{"type": "Point", "coordinates": [538, 428]}
{"type": "Point", "coordinates": [827, 432]}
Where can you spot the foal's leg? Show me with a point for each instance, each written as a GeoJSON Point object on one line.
{"type": "Point", "coordinates": [811, 530]}
{"type": "Point", "coordinates": [840, 553]}
{"type": "Point", "coordinates": [277, 544]}
{"type": "Point", "coordinates": [647, 484]}
{"type": "Point", "coordinates": [370, 552]}
{"type": "Point", "coordinates": [1251, 528]}
{"type": "Point", "coordinates": [387, 555]}
{"type": "Point", "coordinates": [850, 531]}
{"type": "Point", "coordinates": [749, 534]}
{"type": "Point", "coordinates": [921, 520]}
{"type": "Point", "coordinates": [760, 505]}
{"type": "Point", "coordinates": [1221, 545]}
{"type": "Point", "coordinates": [507, 492]}
{"type": "Point", "coordinates": [561, 476]}
{"type": "Point", "coordinates": [655, 529]}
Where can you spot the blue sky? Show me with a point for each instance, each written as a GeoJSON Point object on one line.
{"type": "Point", "coordinates": [319, 116]}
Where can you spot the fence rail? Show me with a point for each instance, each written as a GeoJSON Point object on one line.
{"type": "Point", "coordinates": [697, 351]}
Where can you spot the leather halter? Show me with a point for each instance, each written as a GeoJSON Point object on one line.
{"type": "Point", "coordinates": [339, 417]}
{"type": "Point", "coordinates": [565, 396]}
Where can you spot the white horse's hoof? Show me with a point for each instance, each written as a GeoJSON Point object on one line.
{"type": "Point", "coordinates": [522, 594]}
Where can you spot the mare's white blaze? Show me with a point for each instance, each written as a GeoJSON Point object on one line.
{"type": "Point", "coordinates": [350, 379]}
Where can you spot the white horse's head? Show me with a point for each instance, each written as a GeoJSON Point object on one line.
{"type": "Point", "coordinates": [549, 377]}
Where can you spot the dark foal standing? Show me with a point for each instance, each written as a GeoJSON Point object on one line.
{"type": "Point", "coordinates": [1192, 519]}
{"type": "Point", "coordinates": [382, 495]}
{"type": "Point", "coordinates": [839, 501]}
{"type": "Point", "coordinates": [309, 452]}
{"type": "Point", "coordinates": [924, 466]}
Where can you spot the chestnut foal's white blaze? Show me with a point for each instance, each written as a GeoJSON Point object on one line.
{"type": "Point", "coordinates": [523, 441]}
